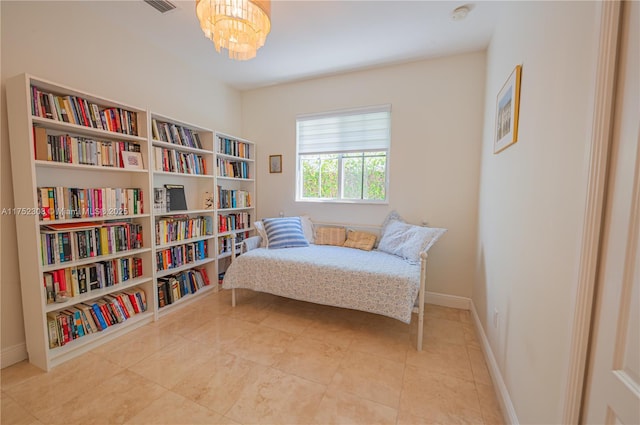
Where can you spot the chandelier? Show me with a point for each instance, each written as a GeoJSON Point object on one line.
{"type": "Point", "coordinates": [240, 26]}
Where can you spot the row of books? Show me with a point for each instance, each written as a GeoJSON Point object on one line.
{"type": "Point", "coordinates": [60, 203]}
{"type": "Point", "coordinates": [179, 162]}
{"type": "Point", "coordinates": [86, 318]}
{"type": "Point", "coordinates": [235, 221]}
{"type": "Point", "coordinates": [76, 110]}
{"type": "Point", "coordinates": [172, 288]}
{"type": "Point", "coordinates": [61, 284]}
{"type": "Point", "coordinates": [176, 134]}
{"type": "Point", "coordinates": [178, 256]}
{"type": "Point", "coordinates": [232, 198]}
{"type": "Point", "coordinates": [80, 150]}
{"type": "Point", "coordinates": [179, 228]}
{"type": "Point", "coordinates": [225, 243]}
{"type": "Point", "coordinates": [233, 147]}
{"type": "Point", "coordinates": [61, 246]}
{"type": "Point", "coordinates": [235, 169]}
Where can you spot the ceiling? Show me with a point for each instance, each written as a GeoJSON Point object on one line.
{"type": "Point", "coordinates": [314, 38]}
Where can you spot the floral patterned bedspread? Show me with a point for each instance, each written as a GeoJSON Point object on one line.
{"type": "Point", "coordinates": [370, 281]}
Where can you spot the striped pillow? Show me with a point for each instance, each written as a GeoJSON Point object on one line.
{"type": "Point", "coordinates": [284, 232]}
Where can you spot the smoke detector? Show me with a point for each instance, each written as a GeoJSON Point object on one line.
{"type": "Point", "coordinates": [461, 12]}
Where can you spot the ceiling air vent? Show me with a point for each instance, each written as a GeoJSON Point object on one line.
{"type": "Point", "coordinates": [162, 6]}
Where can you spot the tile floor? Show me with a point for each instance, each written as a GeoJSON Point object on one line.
{"type": "Point", "coordinates": [270, 360]}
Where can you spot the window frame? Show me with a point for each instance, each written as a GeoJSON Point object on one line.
{"type": "Point", "coordinates": [340, 153]}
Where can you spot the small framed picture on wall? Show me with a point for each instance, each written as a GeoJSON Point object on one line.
{"type": "Point", "coordinates": [507, 111]}
{"type": "Point", "coordinates": [275, 163]}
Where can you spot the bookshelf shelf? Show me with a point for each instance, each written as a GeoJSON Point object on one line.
{"type": "Point", "coordinates": [186, 299]}
{"type": "Point", "coordinates": [227, 210]}
{"type": "Point", "coordinates": [168, 145]}
{"type": "Point", "coordinates": [234, 158]}
{"type": "Point", "coordinates": [183, 212]}
{"type": "Point", "coordinates": [67, 166]}
{"type": "Point", "coordinates": [175, 174]}
{"type": "Point", "coordinates": [92, 219]}
{"type": "Point", "coordinates": [59, 354]}
{"type": "Point", "coordinates": [85, 131]}
{"type": "Point", "coordinates": [99, 293]}
{"type": "Point", "coordinates": [193, 265]}
{"type": "Point", "coordinates": [235, 179]}
{"type": "Point", "coordinates": [121, 254]}
{"type": "Point", "coordinates": [233, 232]}
{"type": "Point", "coordinates": [184, 241]}
{"type": "Point", "coordinates": [225, 254]}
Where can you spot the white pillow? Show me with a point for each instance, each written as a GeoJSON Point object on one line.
{"type": "Point", "coordinates": [406, 240]}
{"type": "Point", "coordinates": [307, 228]}
{"type": "Point", "coordinates": [262, 233]}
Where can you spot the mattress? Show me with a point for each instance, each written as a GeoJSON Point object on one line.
{"type": "Point", "coordinates": [371, 281]}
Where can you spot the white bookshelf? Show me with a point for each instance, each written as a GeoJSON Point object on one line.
{"type": "Point", "coordinates": [30, 174]}
{"type": "Point", "coordinates": [235, 171]}
{"type": "Point", "coordinates": [195, 186]}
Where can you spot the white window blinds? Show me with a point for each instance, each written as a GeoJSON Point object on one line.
{"type": "Point", "coordinates": [355, 130]}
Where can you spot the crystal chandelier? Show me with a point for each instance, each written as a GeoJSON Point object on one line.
{"type": "Point", "coordinates": [240, 26]}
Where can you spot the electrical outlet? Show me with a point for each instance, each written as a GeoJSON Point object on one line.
{"type": "Point", "coordinates": [496, 315]}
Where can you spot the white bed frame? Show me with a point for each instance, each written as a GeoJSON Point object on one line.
{"type": "Point", "coordinates": [419, 309]}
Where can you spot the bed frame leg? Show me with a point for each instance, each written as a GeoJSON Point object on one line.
{"type": "Point", "coordinates": [233, 297]}
{"type": "Point", "coordinates": [421, 295]}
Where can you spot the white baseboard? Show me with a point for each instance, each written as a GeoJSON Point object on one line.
{"type": "Point", "coordinates": [502, 393]}
{"type": "Point", "coordinates": [13, 355]}
{"type": "Point", "coordinates": [445, 300]}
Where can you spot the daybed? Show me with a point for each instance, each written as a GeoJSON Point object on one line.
{"type": "Point", "coordinates": [373, 281]}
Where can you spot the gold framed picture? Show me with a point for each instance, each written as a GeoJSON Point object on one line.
{"type": "Point", "coordinates": [275, 163]}
{"type": "Point", "coordinates": [507, 109]}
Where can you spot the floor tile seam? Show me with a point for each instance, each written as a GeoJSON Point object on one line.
{"type": "Point", "coordinates": [377, 403]}
{"type": "Point", "coordinates": [491, 387]}
{"type": "Point", "coordinates": [199, 403]}
{"type": "Point", "coordinates": [360, 351]}
{"type": "Point", "coordinates": [21, 405]}
{"type": "Point", "coordinates": [474, 373]}
{"type": "Point", "coordinates": [282, 330]}
{"type": "Point", "coordinates": [299, 339]}
{"type": "Point", "coordinates": [279, 368]}
{"type": "Point", "coordinates": [83, 386]}
{"type": "Point", "coordinates": [163, 386]}
{"type": "Point", "coordinates": [351, 393]}
{"type": "Point", "coordinates": [4, 387]}
{"type": "Point", "coordinates": [437, 372]}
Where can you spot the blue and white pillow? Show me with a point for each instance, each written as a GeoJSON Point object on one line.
{"type": "Point", "coordinates": [285, 232]}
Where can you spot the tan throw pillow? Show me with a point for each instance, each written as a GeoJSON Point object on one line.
{"type": "Point", "coordinates": [331, 236]}
{"type": "Point", "coordinates": [360, 240]}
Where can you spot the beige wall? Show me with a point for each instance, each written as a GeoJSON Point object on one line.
{"type": "Point", "coordinates": [44, 39]}
{"type": "Point", "coordinates": [436, 127]}
{"type": "Point", "coordinates": [532, 198]}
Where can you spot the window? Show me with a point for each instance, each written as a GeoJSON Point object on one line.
{"type": "Point", "coordinates": [343, 156]}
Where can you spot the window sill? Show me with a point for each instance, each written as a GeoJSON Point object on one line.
{"type": "Point", "coordinates": [342, 201]}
